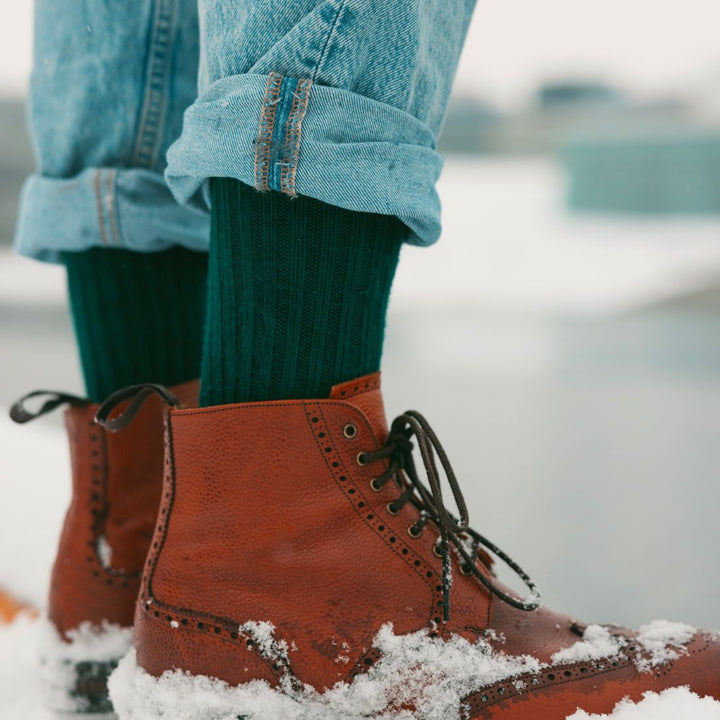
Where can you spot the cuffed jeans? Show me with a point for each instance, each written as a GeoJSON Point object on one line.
{"type": "Point", "coordinates": [135, 104]}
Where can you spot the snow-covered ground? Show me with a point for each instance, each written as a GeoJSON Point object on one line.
{"type": "Point", "coordinates": [400, 677]}
{"type": "Point", "coordinates": [570, 366]}
{"type": "Point", "coordinates": [673, 704]}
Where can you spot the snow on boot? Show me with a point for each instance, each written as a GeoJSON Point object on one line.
{"type": "Point", "coordinates": [116, 489]}
{"type": "Point", "coordinates": [300, 568]}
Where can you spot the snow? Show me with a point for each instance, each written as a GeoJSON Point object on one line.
{"type": "Point", "coordinates": [263, 634]}
{"type": "Point", "coordinates": [428, 673]}
{"type": "Point", "coordinates": [35, 483]}
{"type": "Point", "coordinates": [432, 674]}
{"type": "Point", "coordinates": [664, 641]}
{"type": "Point", "coordinates": [104, 552]}
{"type": "Point", "coordinates": [672, 704]}
{"type": "Point", "coordinates": [87, 642]}
{"type": "Point", "coordinates": [19, 680]}
{"type": "Point", "coordinates": [59, 659]}
{"type": "Point", "coordinates": [22, 690]}
{"type": "Point", "coordinates": [597, 642]}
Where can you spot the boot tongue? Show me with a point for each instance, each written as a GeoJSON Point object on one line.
{"type": "Point", "coordinates": [364, 393]}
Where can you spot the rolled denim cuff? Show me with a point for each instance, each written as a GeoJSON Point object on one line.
{"type": "Point", "coordinates": [300, 138]}
{"type": "Point", "coordinates": [104, 207]}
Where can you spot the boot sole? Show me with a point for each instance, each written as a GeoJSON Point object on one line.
{"type": "Point", "coordinates": [77, 688]}
{"type": "Point", "coordinates": [74, 671]}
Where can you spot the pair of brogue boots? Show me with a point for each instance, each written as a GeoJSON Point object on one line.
{"type": "Point", "coordinates": [295, 543]}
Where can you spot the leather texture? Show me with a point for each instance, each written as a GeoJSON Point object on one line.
{"type": "Point", "coordinates": [117, 485]}
{"type": "Point", "coordinates": [267, 515]}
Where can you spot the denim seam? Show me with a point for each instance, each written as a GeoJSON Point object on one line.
{"type": "Point", "coordinates": [99, 206]}
{"type": "Point", "coordinates": [155, 99]}
{"type": "Point", "coordinates": [293, 133]}
{"type": "Point", "coordinates": [277, 145]}
{"type": "Point", "coordinates": [263, 144]}
{"type": "Point", "coordinates": [331, 34]}
{"type": "Point", "coordinates": [110, 200]}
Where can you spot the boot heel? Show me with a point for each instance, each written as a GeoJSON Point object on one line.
{"type": "Point", "coordinates": [74, 670]}
{"type": "Point", "coordinates": [77, 688]}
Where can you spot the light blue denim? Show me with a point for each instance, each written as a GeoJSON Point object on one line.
{"type": "Point", "coordinates": [340, 100]}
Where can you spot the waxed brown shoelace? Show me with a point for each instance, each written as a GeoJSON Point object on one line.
{"type": "Point", "coordinates": [431, 506]}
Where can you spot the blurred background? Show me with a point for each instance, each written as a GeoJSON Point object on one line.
{"type": "Point", "coordinates": [563, 337]}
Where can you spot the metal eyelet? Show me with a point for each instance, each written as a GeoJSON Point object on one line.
{"type": "Point", "coordinates": [350, 431]}
{"type": "Point", "coordinates": [436, 551]}
{"type": "Point", "coordinates": [391, 509]}
{"type": "Point", "coordinates": [360, 459]}
{"type": "Point", "coordinates": [465, 569]}
{"type": "Point", "coordinates": [413, 532]}
{"type": "Point", "coordinates": [374, 485]}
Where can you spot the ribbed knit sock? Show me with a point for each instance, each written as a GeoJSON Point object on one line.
{"type": "Point", "coordinates": [297, 295]}
{"type": "Point", "coordinates": [138, 316]}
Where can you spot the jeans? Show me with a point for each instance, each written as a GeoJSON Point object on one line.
{"type": "Point", "coordinates": [135, 104]}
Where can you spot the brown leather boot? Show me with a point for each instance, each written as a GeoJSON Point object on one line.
{"type": "Point", "coordinates": [296, 545]}
{"type": "Point", "coordinates": [116, 488]}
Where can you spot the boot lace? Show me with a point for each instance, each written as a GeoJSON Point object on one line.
{"type": "Point", "coordinates": [429, 501]}
{"type": "Point", "coordinates": [20, 412]}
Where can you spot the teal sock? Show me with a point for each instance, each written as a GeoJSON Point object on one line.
{"type": "Point", "coordinates": [297, 295]}
{"type": "Point", "coordinates": [138, 317]}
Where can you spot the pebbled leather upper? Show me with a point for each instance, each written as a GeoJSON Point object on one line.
{"type": "Point", "coordinates": [116, 488]}
{"type": "Point", "coordinates": [267, 515]}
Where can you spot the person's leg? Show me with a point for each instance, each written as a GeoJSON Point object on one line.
{"type": "Point", "coordinates": [109, 86]}
{"type": "Point", "coordinates": [110, 83]}
{"type": "Point", "coordinates": [318, 120]}
{"type": "Point", "coordinates": [297, 294]}
{"type": "Point", "coordinates": [298, 544]}
{"type": "Point", "coordinates": [138, 317]}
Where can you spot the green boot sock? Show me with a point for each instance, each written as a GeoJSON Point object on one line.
{"type": "Point", "coordinates": [297, 295]}
{"type": "Point", "coordinates": [138, 317]}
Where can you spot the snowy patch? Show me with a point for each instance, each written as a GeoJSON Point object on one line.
{"type": "Point", "coordinates": [665, 641]}
{"type": "Point", "coordinates": [672, 704]}
{"type": "Point", "coordinates": [59, 660]}
{"type": "Point", "coordinates": [659, 642]}
{"type": "Point", "coordinates": [19, 688]}
{"type": "Point", "coordinates": [23, 681]}
{"type": "Point", "coordinates": [86, 643]}
{"type": "Point", "coordinates": [597, 642]}
{"type": "Point", "coordinates": [211, 700]}
{"type": "Point", "coordinates": [432, 674]}
{"type": "Point", "coordinates": [104, 552]}
{"type": "Point", "coordinates": [417, 671]}
{"type": "Point", "coordinates": [263, 635]}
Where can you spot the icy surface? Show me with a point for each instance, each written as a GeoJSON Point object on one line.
{"type": "Point", "coordinates": [673, 704]}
